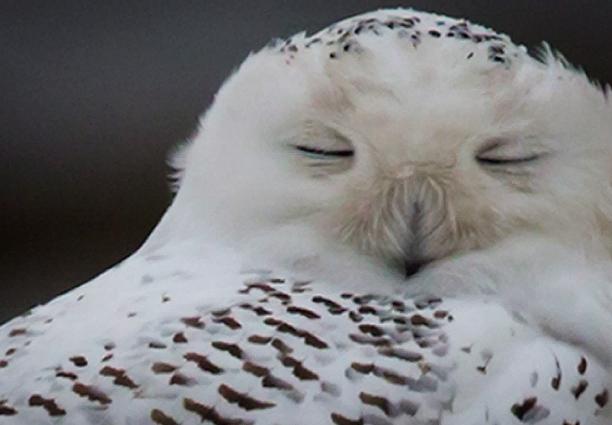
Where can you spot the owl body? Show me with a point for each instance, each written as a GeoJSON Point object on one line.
{"type": "Point", "coordinates": [369, 228]}
{"type": "Point", "coordinates": [192, 338]}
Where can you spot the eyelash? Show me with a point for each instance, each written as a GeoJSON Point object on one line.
{"type": "Point", "coordinates": [318, 152]}
{"type": "Point", "coordinates": [508, 161]}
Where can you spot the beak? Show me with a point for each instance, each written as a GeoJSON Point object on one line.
{"type": "Point", "coordinates": [412, 267]}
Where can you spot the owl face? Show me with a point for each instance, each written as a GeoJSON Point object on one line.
{"type": "Point", "coordinates": [404, 143]}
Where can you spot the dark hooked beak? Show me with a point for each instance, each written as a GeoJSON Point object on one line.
{"type": "Point", "coordinates": [412, 267]}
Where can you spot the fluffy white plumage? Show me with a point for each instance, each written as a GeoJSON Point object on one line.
{"type": "Point", "coordinates": [274, 290]}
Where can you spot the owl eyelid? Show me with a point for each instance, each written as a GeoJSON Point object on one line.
{"type": "Point", "coordinates": [504, 152]}
{"type": "Point", "coordinates": [329, 153]}
{"type": "Point", "coordinates": [507, 161]}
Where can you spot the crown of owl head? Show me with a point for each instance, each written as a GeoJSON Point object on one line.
{"type": "Point", "coordinates": [406, 136]}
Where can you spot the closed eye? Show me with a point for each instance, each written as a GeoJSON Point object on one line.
{"type": "Point", "coordinates": [507, 152]}
{"type": "Point", "coordinates": [325, 153]}
{"type": "Point", "coordinates": [507, 161]}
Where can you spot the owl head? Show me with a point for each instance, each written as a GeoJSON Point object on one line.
{"type": "Point", "coordinates": [403, 136]}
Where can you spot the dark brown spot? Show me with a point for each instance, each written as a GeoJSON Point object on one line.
{"type": "Point", "coordinates": [281, 346]}
{"type": "Point", "coordinates": [602, 398]}
{"type": "Point", "coordinates": [582, 366]}
{"type": "Point", "coordinates": [109, 346]}
{"type": "Point", "coordinates": [182, 380]}
{"type": "Point", "coordinates": [10, 351]}
{"type": "Point", "coordinates": [277, 280]}
{"type": "Point", "coordinates": [440, 314]}
{"type": "Point", "coordinates": [336, 310]}
{"type": "Point", "coordinates": [3, 364]}
{"type": "Point", "coordinates": [309, 314]}
{"type": "Point", "coordinates": [107, 357]}
{"type": "Point", "coordinates": [157, 345]}
{"type": "Point", "coordinates": [314, 341]}
{"type": "Point", "coordinates": [371, 330]}
{"type": "Point", "coordinates": [555, 383]}
{"type": "Point", "coordinates": [271, 381]}
{"type": "Point", "coordinates": [259, 339]}
{"type": "Point", "coordinates": [67, 375]}
{"type": "Point", "coordinates": [179, 338]}
{"type": "Point", "coordinates": [271, 321]}
{"type": "Point", "coordinates": [497, 49]}
{"type": "Point", "coordinates": [6, 410]}
{"type": "Point", "coordinates": [242, 400]}
{"type": "Point", "coordinates": [17, 332]}
{"type": "Point", "coordinates": [392, 377]}
{"type": "Point", "coordinates": [161, 418]}
{"type": "Point", "coordinates": [290, 329]}
{"type": "Point", "coordinates": [260, 311]}
{"type": "Point", "coordinates": [520, 410]}
{"type": "Point", "coordinates": [230, 322]}
{"type": "Point", "coordinates": [281, 296]}
{"type": "Point", "coordinates": [338, 419]}
{"type": "Point", "coordinates": [92, 393]}
{"type": "Point", "coordinates": [369, 340]}
{"type": "Point", "coordinates": [261, 286]}
{"type": "Point", "coordinates": [418, 320]}
{"type": "Point", "coordinates": [398, 306]}
{"type": "Point", "coordinates": [373, 400]}
{"type": "Point", "coordinates": [304, 374]}
{"type": "Point", "coordinates": [233, 349]}
{"type": "Point", "coordinates": [398, 353]}
{"type": "Point", "coordinates": [193, 322]}
{"type": "Point", "coordinates": [325, 301]}
{"type": "Point", "coordinates": [48, 404]}
{"type": "Point", "coordinates": [255, 369]}
{"type": "Point", "coordinates": [366, 309]}
{"type": "Point", "coordinates": [299, 370]}
{"type": "Point", "coordinates": [362, 299]}
{"type": "Point", "coordinates": [208, 413]}
{"type": "Point", "coordinates": [203, 363]}
{"type": "Point", "coordinates": [120, 376]}
{"type": "Point", "coordinates": [162, 368]}
{"type": "Point", "coordinates": [579, 389]}
{"type": "Point", "coordinates": [364, 368]}
{"type": "Point", "coordinates": [79, 361]}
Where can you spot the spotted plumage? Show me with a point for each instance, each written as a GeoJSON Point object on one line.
{"type": "Point", "coordinates": [343, 37]}
{"type": "Point", "coordinates": [276, 344]}
{"type": "Point", "coordinates": [401, 298]}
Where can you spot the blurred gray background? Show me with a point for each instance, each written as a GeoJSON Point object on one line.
{"type": "Point", "coordinates": [95, 93]}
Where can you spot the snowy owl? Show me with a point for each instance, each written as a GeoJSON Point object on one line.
{"type": "Point", "coordinates": [402, 219]}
